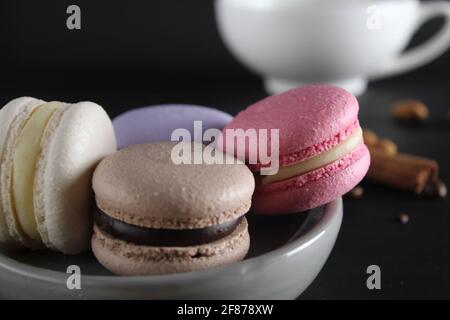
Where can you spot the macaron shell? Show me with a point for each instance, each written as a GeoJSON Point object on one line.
{"type": "Point", "coordinates": [314, 189]}
{"type": "Point", "coordinates": [7, 114]}
{"type": "Point", "coordinates": [306, 117]}
{"type": "Point", "coordinates": [141, 185]}
{"type": "Point", "coordinates": [13, 117]}
{"type": "Point", "coordinates": [125, 258]}
{"type": "Point", "coordinates": [156, 123]}
{"type": "Point", "coordinates": [77, 138]}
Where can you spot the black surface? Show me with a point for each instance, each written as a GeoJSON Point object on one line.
{"type": "Point", "coordinates": [149, 52]}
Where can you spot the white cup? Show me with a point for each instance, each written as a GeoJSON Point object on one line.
{"type": "Point", "coordinates": [342, 42]}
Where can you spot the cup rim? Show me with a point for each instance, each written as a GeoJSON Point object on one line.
{"type": "Point", "coordinates": [268, 4]}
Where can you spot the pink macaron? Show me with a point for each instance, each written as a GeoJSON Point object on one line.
{"type": "Point", "coordinates": [320, 146]}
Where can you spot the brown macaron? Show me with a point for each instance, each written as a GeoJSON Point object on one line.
{"type": "Point", "coordinates": [155, 216]}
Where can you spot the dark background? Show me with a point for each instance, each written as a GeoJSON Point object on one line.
{"type": "Point", "coordinates": [160, 42]}
{"type": "Point", "coordinates": [134, 53]}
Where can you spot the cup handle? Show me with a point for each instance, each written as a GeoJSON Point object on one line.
{"type": "Point", "coordinates": [429, 50]}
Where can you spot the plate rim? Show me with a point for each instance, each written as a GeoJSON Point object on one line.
{"type": "Point", "coordinates": [332, 213]}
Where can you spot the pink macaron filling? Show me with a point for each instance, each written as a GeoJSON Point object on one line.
{"type": "Point", "coordinates": [315, 188]}
{"type": "Point", "coordinates": [316, 174]}
{"type": "Point", "coordinates": [313, 150]}
{"type": "Point", "coordinates": [320, 155]}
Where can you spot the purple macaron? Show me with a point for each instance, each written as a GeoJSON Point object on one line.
{"type": "Point", "coordinates": [156, 123]}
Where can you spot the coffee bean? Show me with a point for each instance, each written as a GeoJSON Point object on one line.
{"type": "Point", "coordinates": [435, 189]}
{"type": "Point", "coordinates": [356, 193]}
{"type": "Point", "coordinates": [403, 218]}
{"type": "Point", "coordinates": [388, 147]}
{"type": "Point", "coordinates": [410, 111]}
{"type": "Point", "coordinates": [441, 189]}
{"type": "Point", "coordinates": [370, 138]}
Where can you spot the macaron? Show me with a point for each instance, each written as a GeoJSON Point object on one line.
{"type": "Point", "coordinates": [321, 150]}
{"type": "Point", "coordinates": [158, 217]}
{"type": "Point", "coordinates": [48, 152]}
{"type": "Point", "coordinates": [156, 123]}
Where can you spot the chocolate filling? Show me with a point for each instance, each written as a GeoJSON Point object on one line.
{"type": "Point", "coordinates": [163, 237]}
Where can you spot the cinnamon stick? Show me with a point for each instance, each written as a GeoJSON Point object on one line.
{"type": "Point", "coordinates": [402, 171]}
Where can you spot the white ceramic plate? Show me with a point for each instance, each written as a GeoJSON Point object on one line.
{"type": "Point", "coordinates": [286, 254]}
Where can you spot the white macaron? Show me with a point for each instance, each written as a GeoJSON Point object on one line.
{"type": "Point", "coordinates": [48, 151]}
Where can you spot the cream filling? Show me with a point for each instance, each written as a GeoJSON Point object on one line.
{"type": "Point", "coordinates": [318, 161]}
{"type": "Point", "coordinates": [26, 153]}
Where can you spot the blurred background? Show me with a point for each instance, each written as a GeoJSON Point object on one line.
{"type": "Point", "coordinates": [141, 52]}
{"type": "Point", "coordinates": [156, 43]}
